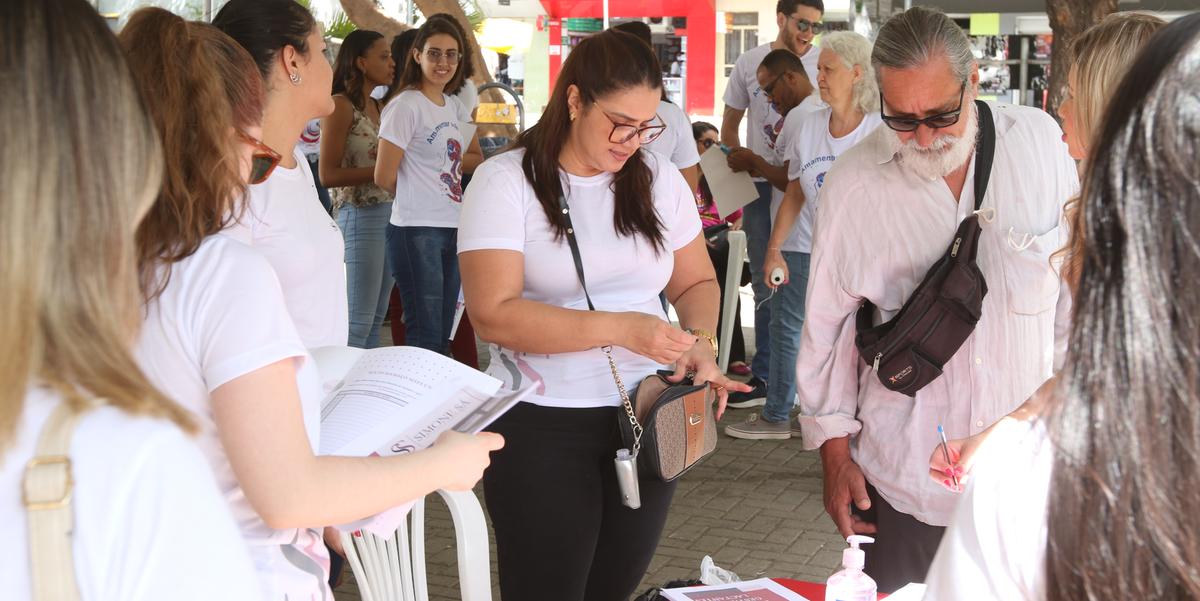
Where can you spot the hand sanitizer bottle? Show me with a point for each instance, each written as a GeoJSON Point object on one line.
{"type": "Point", "coordinates": [850, 583]}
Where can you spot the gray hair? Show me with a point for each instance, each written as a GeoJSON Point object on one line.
{"type": "Point", "coordinates": [855, 50]}
{"type": "Point", "coordinates": [919, 35]}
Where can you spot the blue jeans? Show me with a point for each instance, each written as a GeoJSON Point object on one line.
{"type": "Point", "coordinates": [322, 192]}
{"type": "Point", "coordinates": [787, 320]}
{"type": "Point", "coordinates": [424, 262]}
{"type": "Point", "coordinates": [756, 222]}
{"type": "Point", "coordinates": [368, 280]}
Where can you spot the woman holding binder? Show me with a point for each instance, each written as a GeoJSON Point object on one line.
{"type": "Point", "coordinates": [217, 337]}
{"type": "Point", "coordinates": [423, 154]}
{"type": "Point", "coordinates": [561, 530]}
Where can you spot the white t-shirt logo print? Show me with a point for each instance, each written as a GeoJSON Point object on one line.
{"type": "Point", "coordinates": [453, 180]}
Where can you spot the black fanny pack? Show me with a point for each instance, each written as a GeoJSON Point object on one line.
{"type": "Point", "coordinates": [908, 352]}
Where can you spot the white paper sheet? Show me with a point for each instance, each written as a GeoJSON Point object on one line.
{"type": "Point", "coordinates": [731, 191]}
{"type": "Point", "coordinates": [762, 589]}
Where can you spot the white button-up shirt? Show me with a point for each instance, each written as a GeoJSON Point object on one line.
{"type": "Point", "coordinates": [879, 229]}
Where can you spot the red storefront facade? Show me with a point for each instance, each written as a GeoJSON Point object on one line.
{"type": "Point", "coordinates": [701, 34]}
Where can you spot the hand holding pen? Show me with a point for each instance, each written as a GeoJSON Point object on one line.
{"type": "Point", "coordinates": [950, 461]}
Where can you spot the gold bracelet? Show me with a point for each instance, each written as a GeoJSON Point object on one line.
{"type": "Point", "coordinates": [705, 334]}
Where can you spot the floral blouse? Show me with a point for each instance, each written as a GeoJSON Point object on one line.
{"type": "Point", "coordinates": [362, 148]}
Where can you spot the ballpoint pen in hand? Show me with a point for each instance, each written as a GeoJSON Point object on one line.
{"type": "Point", "coordinates": [946, 454]}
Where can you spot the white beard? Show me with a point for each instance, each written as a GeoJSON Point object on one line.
{"type": "Point", "coordinates": [943, 156]}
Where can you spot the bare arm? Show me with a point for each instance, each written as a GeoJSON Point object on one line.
{"type": "Point", "coordinates": [493, 281]}
{"type": "Point", "coordinates": [387, 163]}
{"type": "Point", "coordinates": [261, 427]}
{"type": "Point", "coordinates": [335, 128]}
{"type": "Point", "coordinates": [729, 126]}
{"type": "Point", "coordinates": [777, 175]}
{"type": "Point", "coordinates": [474, 155]}
{"type": "Point", "coordinates": [785, 221]}
{"type": "Point", "coordinates": [692, 176]}
{"type": "Point", "coordinates": [693, 289]}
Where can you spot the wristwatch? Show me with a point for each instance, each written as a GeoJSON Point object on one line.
{"type": "Point", "coordinates": [705, 334]}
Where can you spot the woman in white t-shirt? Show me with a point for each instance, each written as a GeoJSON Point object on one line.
{"type": "Point", "coordinates": [141, 518]}
{"type": "Point", "coordinates": [811, 140]}
{"type": "Point", "coordinates": [422, 156]}
{"type": "Point", "coordinates": [561, 530]}
{"type": "Point", "coordinates": [1094, 498]}
{"type": "Point", "coordinates": [217, 337]}
{"type": "Point", "coordinates": [284, 221]}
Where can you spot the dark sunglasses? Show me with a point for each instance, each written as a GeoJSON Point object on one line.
{"type": "Point", "coordinates": [706, 143]}
{"type": "Point", "coordinates": [937, 121]}
{"type": "Point", "coordinates": [264, 160]}
{"type": "Point", "coordinates": [804, 25]}
{"type": "Point", "coordinates": [770, 88]}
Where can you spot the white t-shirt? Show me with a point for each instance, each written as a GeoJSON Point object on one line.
{"type": "Point", "coordinates": [809, 150]}
{"type": "Point", "coordinates": [149, 521]}
{"type": "Point", "coordinates": [221, 317]}
{"type": "Point", "coordinates": [429, 181]}
{"type": "Point", "coordinates": [468, 99]}
{"type": "Point", "coordinates": [995, 546]}
{"type": "Point", "coordinates": [501, 211]}
{"type": "Point", "coordinates": [677, 141]}
{"type": "Point", "coordinates": [743, 92]}
{"type": "Point", "coordinates": [286, 224]}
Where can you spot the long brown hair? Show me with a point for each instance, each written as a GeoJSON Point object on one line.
{"type": "Point", "coordinates": [348, 79]}
{"type": "Point", "coordinates": [1121, 520]}
{"type": "Point", "coordinates": [1101, 56]}
{"type": "Point", "coordinates": [607, 62]}
{"type": "Point", "coordinates": [199, 86]}
{"type": "Point", "coordinates": [68, 279]}
{"type": "Point", "coordinates": [411, 77]}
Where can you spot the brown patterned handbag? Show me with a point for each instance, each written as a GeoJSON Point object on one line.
{"type": "Point", "coordinates": [669, 427]}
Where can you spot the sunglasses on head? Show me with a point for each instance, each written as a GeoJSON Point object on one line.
{"type": "Point", "coordinates": [937, 121]}
{"type": "Point", "coordinates": [263, 161]}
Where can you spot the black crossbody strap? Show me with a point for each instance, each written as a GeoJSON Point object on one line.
{"type": "Point", "coordinates": [566, 211]}
{"type": "Point", "coordinates": [984, 152]}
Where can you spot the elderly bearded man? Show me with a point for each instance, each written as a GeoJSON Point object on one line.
{"type": "Point", "coordinates": [889, 209]}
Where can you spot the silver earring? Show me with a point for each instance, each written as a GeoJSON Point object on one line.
{"type": "Point", "coordinates": [295, 77]}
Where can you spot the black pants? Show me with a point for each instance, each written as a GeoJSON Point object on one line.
{"type": "Point", "coordinates": [720, 260]}
{"type": "Point", "coordinates": [904, 546]}
{"type": "Point", "coordinates": [562, 533]}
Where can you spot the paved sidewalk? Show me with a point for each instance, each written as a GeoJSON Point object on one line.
{"type": "Point", "coordinates": [755, 506]}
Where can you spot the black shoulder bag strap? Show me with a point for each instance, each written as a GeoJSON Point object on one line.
{"type": "Point", "coordinates": [566, 211]}
{"type": "Point", "coordinates": [985, 151]}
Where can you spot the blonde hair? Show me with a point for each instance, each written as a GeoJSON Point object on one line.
{"type": "Point", "coordinates": [1100, 57]}
{"type": "Point", "coordinates": [80, 164]}
{"type": "Point", "coordinates": [855, 50]}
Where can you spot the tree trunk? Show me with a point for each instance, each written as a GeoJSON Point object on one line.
{"type": "Point", "coordinates": [1068, 19]}
{"type": "Point", "coordinates": [365, 15]}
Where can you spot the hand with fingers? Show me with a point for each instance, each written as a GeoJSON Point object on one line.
{"type": "Point", "coordinates": [653, 338]}
{"type": "Point", "coordinates": [844, 484]}
{"type": "Point", "coordinates": [962, 458]}
{"type": "Point", "coordinates": [773, 261]}
{"type": "Point", "coordinates": [702, 364]}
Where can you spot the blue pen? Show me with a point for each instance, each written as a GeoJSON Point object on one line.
{"type": "Point", "coordinates": [725, 149]}
{"type": "Point", "coordinates": [946, 454]}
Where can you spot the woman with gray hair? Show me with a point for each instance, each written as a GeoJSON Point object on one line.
{"type": "Point", "coordinates": [811, 139]}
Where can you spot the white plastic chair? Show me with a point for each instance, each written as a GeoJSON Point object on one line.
{"type": "Point", "coordinates": [729, 304]}
{"type": "Point", "coordinates": [393, 569]}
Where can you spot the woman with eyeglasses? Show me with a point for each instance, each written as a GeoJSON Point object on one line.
{"type": "Point", "coordinates": [284, 220]}
{"type": "Point", "coordinates": [350, 144]}
{"type": "Point", "coordinates": [217, 337]}
{"type": "Point", "coordinates": [422, 156]}
{"type": "Point", "coordinates": [561, 530]}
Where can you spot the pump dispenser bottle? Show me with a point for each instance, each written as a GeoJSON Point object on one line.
{"type": "Point", "coordinates": [850, 583]}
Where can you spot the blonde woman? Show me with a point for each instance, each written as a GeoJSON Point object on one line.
{"type": "Point", "coordinates": [144, 517]}
{"type": "Point", "coordinates": [1102, 55]}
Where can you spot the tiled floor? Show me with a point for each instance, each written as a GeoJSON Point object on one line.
{"type": "Point", "coordinates": [754, 506]}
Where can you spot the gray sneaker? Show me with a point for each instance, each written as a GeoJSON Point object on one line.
{"type": "Point", "coordinates": [756, 428]}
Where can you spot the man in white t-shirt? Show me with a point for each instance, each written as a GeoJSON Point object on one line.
{"type": "Point", "coordinates": [799, 22]}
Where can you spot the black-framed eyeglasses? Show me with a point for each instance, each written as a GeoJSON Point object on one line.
{"type": "Point", "coordinates": [804, 25]}
{"type": "Point", "coordinates": [769, 89]}
{"type": "Point", "coordinates": [937, 121]}
{"type": "Point", "coordinates": [622, 133]}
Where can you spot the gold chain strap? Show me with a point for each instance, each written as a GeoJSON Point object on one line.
{"type": "Point", "coordinates": [633, 420]}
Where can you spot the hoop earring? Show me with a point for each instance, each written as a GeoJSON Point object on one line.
{"type": "Point", "coordinates": [295, 77]}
